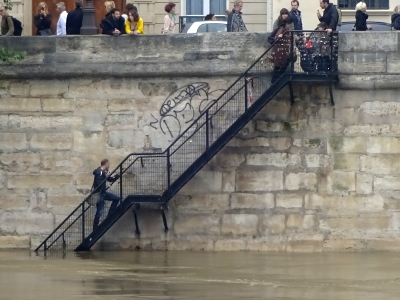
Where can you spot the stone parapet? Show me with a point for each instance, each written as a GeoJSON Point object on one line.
{"type": "Point", "coordinates": [144, 56]}
{"type": "Point", "coordinates": [369, 60]}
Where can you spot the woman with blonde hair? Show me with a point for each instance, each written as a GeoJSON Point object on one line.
{"type": "Point", "coordinates": [42, 20]}
{"type": "Point", "coordinates": [396, 18]}
{"type": "Point", "coordinates": [109, 5]}
{"type": "Point", "coordinates": [361, 17]}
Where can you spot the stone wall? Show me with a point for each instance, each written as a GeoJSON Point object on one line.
{"type": "Point", "coordinates": [307, 177]}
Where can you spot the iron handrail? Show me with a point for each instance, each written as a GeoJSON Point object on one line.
{"type": "Point", "coordinates": [140, 155]}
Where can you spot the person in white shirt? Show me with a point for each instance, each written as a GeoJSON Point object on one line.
{"type": "Point", "coordinates": [62, 21]}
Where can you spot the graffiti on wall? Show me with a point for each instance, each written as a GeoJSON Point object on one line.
{"type": "Point", "coordinates": [182, 107]}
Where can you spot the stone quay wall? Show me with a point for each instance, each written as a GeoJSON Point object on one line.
{"type": "Point", "coordinates": [308, 177]}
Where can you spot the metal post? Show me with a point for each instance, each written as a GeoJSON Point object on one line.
{"type": "Point", "coordinates": [207, 131]}
{"type": "Point", "coordinates": [168, 168]}
{"type": "Point", "coordinates": [83, 221]}
{"type": "Point", "coordinates": [164, 219]}
{"type": "Point", "coordinates": [332, 52]}
{"type": "Point", "coordinates": [64, 243]}
{"type": "Point", "coordinates": [89, 20]}
{"type": "Point", "coordinates": [137, 232]}
{"type": "Point", "coordinates": [120, 184]}
{"type": "Point", "coordinates": [292, 50]}
{"type": "Point", "coordinates": [246, 93]}
{"type": "Point", "coordinates": [291, 93]}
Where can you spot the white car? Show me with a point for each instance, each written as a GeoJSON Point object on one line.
{"type": "Point", "coordinates": [205, 26]}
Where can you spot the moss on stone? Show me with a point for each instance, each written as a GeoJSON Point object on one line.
{"type": "Point", "coordinates": [287, 127]}
{"type": "Point", "coordinates": [314, 143]}
{"type": "Point", "coordinates": [336, 143]}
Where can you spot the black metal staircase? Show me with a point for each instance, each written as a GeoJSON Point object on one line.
{"type": "Point", "coordinates": [157, 177]}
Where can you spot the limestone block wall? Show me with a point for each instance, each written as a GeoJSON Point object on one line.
{"type": "Point", "coordinates": [308, 177]}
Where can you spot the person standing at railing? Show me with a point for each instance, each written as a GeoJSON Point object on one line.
{"type": "Point", "coordinates": [295, 15]}
{"type": "Point", "coordinates": [62, 20]}
{"type": "Point", "coordinates": [7, 24]}
{"type": "Point", "coordinates": [170, 20]}
{"type": "Point", "coordinates": [283, 15]}
{"type": "Point", "coordinates": [396, 18]}
{"type": "Point", "coordinates": [75, 19]}
{"type": "Point", "coordinates": [361, 17]}
{"type": "Point", "coordinates": [101, 174]}
{"type": "Point", "coordinates": [330, 16]}
{"type": "Point", "coordinates": [42, 20]}
{"type": "Point", "coordinates": [235, 20]}
{"type": "Point", "coordinates": [134, 24]}
{"type": "Point", "coordinates": [280, 53]}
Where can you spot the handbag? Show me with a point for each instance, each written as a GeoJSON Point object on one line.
{"type": "Point", "coordinates": [45, 32]}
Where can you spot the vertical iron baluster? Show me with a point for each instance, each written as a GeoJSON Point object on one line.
{"type": "Point", "coordinates": [168, 167]}
{"type": "Point", "coordinates": [292, 50]}
{"type": "Point", "coordinates": [246, 97]}
{"type": "Point", "coordinates": [83, 221]}
{"type": "Point", "coordinates": [120, 184]}
{"type": "Point", "coordinates": [207, 130]}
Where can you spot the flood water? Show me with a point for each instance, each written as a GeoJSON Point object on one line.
{"type": "Point", "coordinates": [200, 275]}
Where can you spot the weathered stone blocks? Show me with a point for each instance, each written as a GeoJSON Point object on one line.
{"type": "Point", "coordinates": [42, 181]}
{"type": "Point", "coordinates": [20, 104]}
{"type": "Point", "coordinates": [249, 181]}
{"type": "Point", "coordinates": [239, 224]}
{"type": "Point", "coordinates": [252, 201]}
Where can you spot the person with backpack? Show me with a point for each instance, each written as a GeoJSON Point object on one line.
{"type": "Point", "coordinates": [396, 18]}
{"type": "Point", "coordinates": [361, 17]}
{"type": "Point", "coordinates": [330, 16]}
{"type": "Point", "coordinates": [7, 24]}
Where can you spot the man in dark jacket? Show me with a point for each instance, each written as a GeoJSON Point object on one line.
{"type": "Point", "coordinates": [330, 16]}
{"type": "Point", "coordinates": [235, 20]}
{"type": "Point", "coordinates": [114, 24]}
{"type": "Point", "coordinates": [101, 175]}
{"type": "Point", "coordinates": [295, 15]}
{"type": "Point", "coordinates": [74, 19]}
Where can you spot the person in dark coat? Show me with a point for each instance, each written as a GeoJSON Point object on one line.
{"type": "Point", "coordinates": [74, 19]}
{"type": "Point", "coordinates": [101, 175]}
{"type": "Point", "coordinates": [235, 19]}
{"type": "Point", "coordinates": [42, 20]}
{"type": "Point", "coordinates": [295, 15]}
{"type": "Point", "coordinates": [361, 17]}
{"type": "Point", "coordinates": [114, 24]}
{"type": "Point", "coordinates": [396, 18]}
{"type": "Point", "coordinates": [280, 53]}
{"type": "Point", "coordinates": [330, 16]}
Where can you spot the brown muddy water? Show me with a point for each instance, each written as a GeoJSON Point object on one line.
{"type": "Point", "coordinates": [200, 275]}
